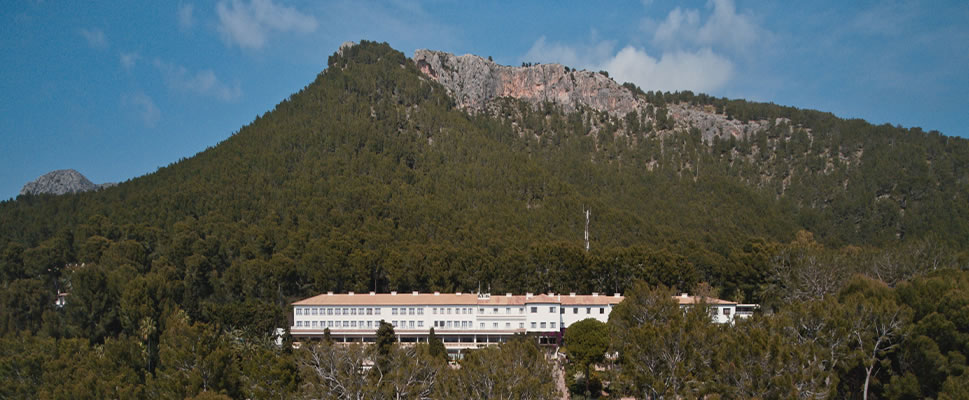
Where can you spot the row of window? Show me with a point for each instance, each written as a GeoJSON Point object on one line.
{"type": "Point", "coordinates": [338, 311]}
{"type": "Point", "coordinates": [418, 324]}
{"type": "Point", "coordinates": [420, 310]}
{"type": "Point", "coordinates": [407, 311]}
{"type": "Point", "coordinates": [575, 310]}
{"type": "Point", "coordinates": [407, 324]}
{"type": "Point", "coordinates": [338, 324]}
{"type": "Point", "coordinates": [588, 310]}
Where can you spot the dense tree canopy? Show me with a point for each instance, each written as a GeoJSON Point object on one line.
{"type": "Point", "coordinates": [370, 179]}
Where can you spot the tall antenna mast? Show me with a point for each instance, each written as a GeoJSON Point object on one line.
{"type": "Point", "coordinates": [587, 212]}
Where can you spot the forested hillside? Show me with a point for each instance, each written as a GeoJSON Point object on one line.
{"type": "Point", "coordinates": [372, 178]}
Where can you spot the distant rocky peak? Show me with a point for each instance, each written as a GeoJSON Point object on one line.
{"type": "Point", "coordinates": [60, 182]}
{"type": "Point", "coordinates": [474, 81]}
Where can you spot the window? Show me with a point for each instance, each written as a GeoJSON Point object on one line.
{"type": "Point", "coordinates": [314, 311]}
{"type": "Point", "coordinates": [553, 325]}
{"type": "Point", "coordinates": [534, 310]}
{"type": "Point", "coordinates": [346, 324]}
{"type": "Point", "coordinates": [346, 311]}
{"type": "Point", "coordinates": [507, 310]}
{"type": "Point", "coordinates": [434, 310]}
{"type": "Point", "coordinates": [543, 325]}
{"type": "Point", "coordinates": [410, 324]}
{"type": "Point", "coordinates": [353, 324]}
{"type": "Point", "coordinates": [575, 310]}
{"type": "Point", "coordinates": [507, 325]}
{"type": "Point", "coordinates": [353, 311]}
{"type": "Point", "coordinates": [481, 325]}
{"type": "Point", "coordinates": [410, 311]}
{"type": "Point", "coordinates": [726, 311]}
{"type": "Point", "coordinates": [299, 311]}
{"type": "Point", "coordinates": [521, 325]}
{"type": "Point", "coordinates": [393, 311]}
{"type": "Point", "coordinates": [369, 324]}
{"type": "Point", "coordinates": [551, 310]}
{"type": "Point", "coordinates": [299, 324]}
{"type": "Point", "coordinates": [494, 325]}
{"type": "Point", "coordinates": [420, 311]}
{"type": "Point", "coordinates": [521, 310]}
{"type": "Point", "coordinates": [376, 311]}
{"type": "Point", "coordinates": [561, 310]}
{"type": "Point", "coordinates": [602, 310]}
{"type": "Point", "coordinates": [481, 310]}
{"type": "Point", "coordinates": [337, 311]}
{"type": "Point", "coordinates": [329, 311]}
{"type": "Point", "coordinates": [495, 311]}
{"type": "Point", "coordinates": [369, 311]}
{"type": "Point", "coordinates": [449, 324]}
{"type": "Point", "coordinates": [314, 324]}
{"type": "Point", "coordinates": [533, 325]}
{"type": "Point", "coordinates": [588, 310]}
{"type": "Point", "coordinates": [449, 311]}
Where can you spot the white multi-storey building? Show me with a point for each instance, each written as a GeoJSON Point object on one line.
{"type": "Point", "coordinates": [461, 320]}
{"type": "Point", "coordinates": [466, 320]}
{"type": "Point", "coordinates": [721, 311]}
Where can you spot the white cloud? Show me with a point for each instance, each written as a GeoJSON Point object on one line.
{"type": "Point", "coordinates": [690, 49]}
{"type": "Point", "coordinates": [204, 82]}
{"type": "Point", "coordinates": [677, 25]}
{"type": "Point", "coordinates": [698, 70]}
{"type": "Point", "coordinates": [725, 28]}
{"type": "Point", "coordinates": [95, 38]}
{"type": "Point", "coordinates": [702, 71]}
{"type": "Point", "coordinates": [144, 106]}
{"type": "Point", "coordinates": [580, 56]}
{"type": "Point", "coordinates": [248, 25]}
{"type": "Point", "coordinates": [186, 17]}
{"type": "Point", "coordinates": [129, 60]}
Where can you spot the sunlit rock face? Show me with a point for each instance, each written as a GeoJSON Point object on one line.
{"type": "Point", "coordinates": [60, 182]}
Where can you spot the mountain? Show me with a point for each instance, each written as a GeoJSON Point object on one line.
{"type": "Point", "coordinates": [443, 172]}
{"type": "Point", "coordinates": [452, 173]}
{"type": "Point", "coordinates": [60, 182]}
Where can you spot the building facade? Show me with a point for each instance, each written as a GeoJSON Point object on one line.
{"type": "Point", "coordinates": [463, 320]}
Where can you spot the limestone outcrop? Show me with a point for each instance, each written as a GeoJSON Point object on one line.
{"type": "Point", "coordinates": [473, 81]}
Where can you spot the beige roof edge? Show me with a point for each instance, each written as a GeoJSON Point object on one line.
{"type": "Point", "coordinates": [453, 299]}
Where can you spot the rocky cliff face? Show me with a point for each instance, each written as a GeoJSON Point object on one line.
{"type": "Point", "coordinates": [474, 81]}
{"type": "Point", "coordinates": [61, 182]}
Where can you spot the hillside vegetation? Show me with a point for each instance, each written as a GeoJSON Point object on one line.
{"type": "Point", "coordinates": [371, 178]}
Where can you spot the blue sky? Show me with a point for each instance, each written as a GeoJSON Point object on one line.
{"type": "Point", "coordinates": [118, 89]}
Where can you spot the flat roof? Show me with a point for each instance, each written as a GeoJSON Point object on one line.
{"type": "Point", "coordinates": [687, 300]}
{"type": "Point", "coordinates": [455, 299]}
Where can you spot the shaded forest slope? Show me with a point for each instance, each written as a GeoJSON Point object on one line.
{"type": "Point", "coordinates": [372, 177]}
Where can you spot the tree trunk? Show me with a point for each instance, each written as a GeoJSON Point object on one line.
{"type": "Point", "coordinates": [867, 379]}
